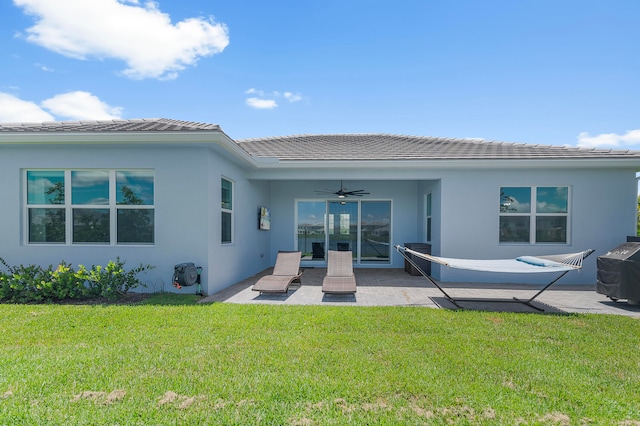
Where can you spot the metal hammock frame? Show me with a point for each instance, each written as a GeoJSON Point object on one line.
{"type": "Point", "coordinates": [562, 263]}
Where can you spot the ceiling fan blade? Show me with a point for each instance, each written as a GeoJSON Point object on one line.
{"type": "Point", "coordinates": [342, 192]}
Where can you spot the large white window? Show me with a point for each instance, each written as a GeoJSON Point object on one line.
{"type": "Point", "coordinates": [534, 214]}
{"type": "Point", "coordinates": [89, 207]}
{"type": "Point", "coordinates": [226, 226]}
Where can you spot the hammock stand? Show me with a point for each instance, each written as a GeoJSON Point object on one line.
{"type": "Point", "coordinates": [562, 263]}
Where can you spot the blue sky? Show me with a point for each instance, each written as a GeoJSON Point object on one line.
{"type": "Point", "coordinates": [560, 72]}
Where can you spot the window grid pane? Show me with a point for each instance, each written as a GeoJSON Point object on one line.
{"type": "Point", "coordinates": [91, 226]}
{"type": "Point", "coordinates": [90, 187]}
{"type": "Point", "coordinates": [552, 199]}
{"type": "Point", "coordinates": [551, 229]}
{"type": "Point", "coordinates": [135, 226]}
{"type": "Point", "coordinates": [515, 200]}
{"type": "Point", "coordinates": [45, 187]}
{"type": "Point", "coordinates": [227, 194]}
{"type": "Point", "coordinates": [47, 225]}
{"type": "Point", "coordinates": [134, 188]}
{"type": "Point", "coordinates": [226, 228]}
{"type": "Point", "coordinates": [515, 229]}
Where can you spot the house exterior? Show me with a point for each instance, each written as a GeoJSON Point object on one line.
{"type": "Point", "coordinates": [165, 192]}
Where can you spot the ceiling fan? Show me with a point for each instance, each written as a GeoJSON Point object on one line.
{"type": "Point", "coordinates": [343, 193]}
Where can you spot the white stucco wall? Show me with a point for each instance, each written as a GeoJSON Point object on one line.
{"type": "Point", "coordinates": [187, 213]}
{"type": "Point", "coordinates": [602, 214]}
{"type": "Point", "coordinates": [249, 252]}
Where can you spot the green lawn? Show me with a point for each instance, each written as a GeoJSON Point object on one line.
{"type": "Point", "coordinates": [172, 362]}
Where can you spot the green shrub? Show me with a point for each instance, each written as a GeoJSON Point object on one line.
{"type": "Point", "coordinates": [24, 283]}
{"type": "Point", "coordinates": [33, 283]}
{"type": "Point", "coordinates": [112, 281]}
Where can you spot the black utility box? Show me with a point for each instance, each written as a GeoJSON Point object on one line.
{"type": "Point", "coordinates": [423, 264]}
{"type": "Point", "coordinates": [619, 273]}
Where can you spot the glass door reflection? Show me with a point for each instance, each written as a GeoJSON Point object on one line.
{"type": "Point", "coordinates": [342, 226]}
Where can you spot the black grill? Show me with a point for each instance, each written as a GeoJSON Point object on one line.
{"type": "Point", "coordinates": [619, 273]}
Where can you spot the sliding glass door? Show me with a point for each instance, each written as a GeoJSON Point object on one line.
{"type": "Point", "coordinates": [310, 218]}
{"type": "Point", "coordinates": [342, 227]}
{"type": "Point", "coordinates": [375, 235]}
{"type": "Point", "coordinates": [362, 227]}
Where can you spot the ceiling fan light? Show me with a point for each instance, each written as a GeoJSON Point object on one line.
{"type": "Point", "coordinates": [341, 195]}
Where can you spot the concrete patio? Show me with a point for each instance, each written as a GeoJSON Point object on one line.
{"type": "Point", "coordinates": [395, 287]}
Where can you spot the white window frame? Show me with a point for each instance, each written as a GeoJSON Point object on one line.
{"type": "Point", "coordinates": [68, 207]}
{"type": "Point", "coordinates": [224, 211]}
{"type": "Point", "coordinates": [428, 217]}
{"type": "Point", "coordinates": [327, 219]}
{"type": "Point", "coordinates": [534, 214]}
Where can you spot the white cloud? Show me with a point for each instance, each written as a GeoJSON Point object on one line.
{"type": "Point", "coordinates": [81, 105]}
{"type": "Point", "coordinates": [632, 137]}
{"type": "Point", "coordinates": [262, 103]}
{"type": "Point", "coordinates": [253, 91]}
{"type": "Point", "coordinates": [140, 35]}
{"type": "Point", "coordinates": [45, 68]}
{"type": "Point", "coordinates": [263, 100]}
{"type": "Point", "coordinates": [292, 97]}
{"type": "Point", "coordinates": [14, 110]}
{"type": "Point", "coordinates": [69, 106]}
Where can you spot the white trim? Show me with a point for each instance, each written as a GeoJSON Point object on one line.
{"type": "Point", "coordinates": [68, 207]}
{"type": "Point", "coordinates": [533, 214]}
{"type": "Point", "coordinates": [229, 211]}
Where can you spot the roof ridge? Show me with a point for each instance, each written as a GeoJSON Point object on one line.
{"type": "Point", "coordinates": [384, 146]}
{"type": "Point", "coordinates": [113, 125]}
{"type": "Point", "coordinates": [364, 134]}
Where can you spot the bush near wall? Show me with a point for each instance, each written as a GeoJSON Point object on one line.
{"type": "Point", "coordinates": [33, 283]}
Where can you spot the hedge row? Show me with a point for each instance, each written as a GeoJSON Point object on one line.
{"type": "Point", "coordinates": [33, 283]}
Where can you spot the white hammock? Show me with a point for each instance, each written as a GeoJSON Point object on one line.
{"type": "Point", "coordinates": [561, 263]}
{"type": "Point", "coordinates": [523, 264]}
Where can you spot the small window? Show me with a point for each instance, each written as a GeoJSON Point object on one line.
{"type": "Point", "coordinates": [534, 214]}
{"type": "Point", "coordinates": [427, 217]}
{"type": "Point", "coordinates": [226, 228]}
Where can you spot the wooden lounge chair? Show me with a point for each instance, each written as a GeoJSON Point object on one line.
{"type": "Point", "coordinates": [285, 272]}
{"type": "Point", "coordinates": [339, 278]}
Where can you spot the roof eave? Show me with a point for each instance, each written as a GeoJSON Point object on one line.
{"type": "Point", "coordinates": [205, 139]}
{"type": "Point", "coordinates": [445, 163]}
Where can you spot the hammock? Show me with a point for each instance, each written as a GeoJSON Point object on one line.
{"type": "Point", "coordinates": [559, 263]}
{"type": "Point", "coordinates": [523, 264]}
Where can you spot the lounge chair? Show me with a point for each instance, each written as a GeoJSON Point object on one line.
{"type": "Point", "coordinates": [285, 272]}
{"type": "Point", "coordinates": [339, 278]}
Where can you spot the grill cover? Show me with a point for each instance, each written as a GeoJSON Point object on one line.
{"type": "Point", "coordinates": [619, 272]}
{"type": "Point", "coordinates": [423, 264]}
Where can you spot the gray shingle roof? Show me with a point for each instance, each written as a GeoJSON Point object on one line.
{"type": "Point", "coordinates": [139, 125]}
{"type": "Point", "coordinates": [349, 147]}
{"type": "Point", "coordinates": [396, 147]}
